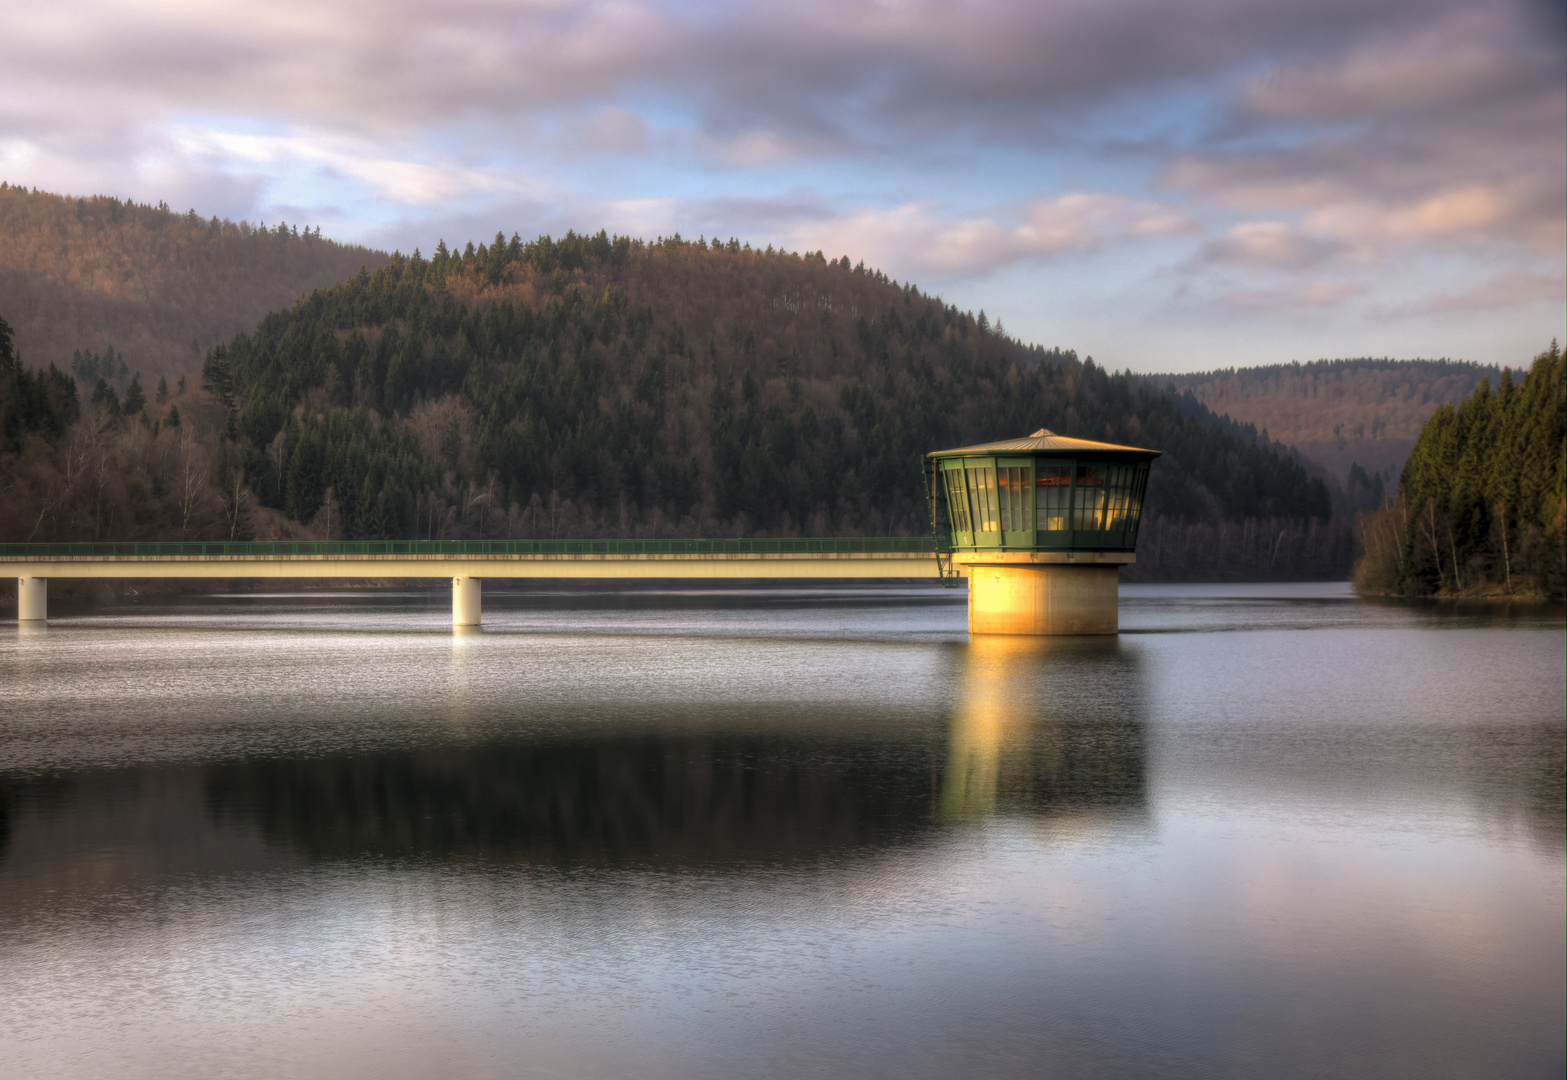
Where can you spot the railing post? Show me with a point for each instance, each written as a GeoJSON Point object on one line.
{"type": "Point", "coordinates": [32, 599]}
{"type": "Point", "coordinates": [466, 603]}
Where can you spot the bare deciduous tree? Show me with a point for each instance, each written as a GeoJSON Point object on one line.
{"type": "Point", "coordinates": [191, 479]}
{"type": "Point", "coordinates": [236, 498]}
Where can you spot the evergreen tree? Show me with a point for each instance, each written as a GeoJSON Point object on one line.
{"type": "Point", "coordinates": [135, 399]}
{"type": "Point", "coordinates": [103, 394]}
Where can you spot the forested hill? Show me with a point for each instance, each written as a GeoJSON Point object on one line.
{"type": "Point", "coordinates": [599, 386]}
{"type": "Point", "coordinates": [683, 386]}
{"type": "Point", "coordinates": [152, 288]}
{"type": "Point", "coordinates": [1482, 502]}
{"type": "Point", "coordinates": [1340, 413]}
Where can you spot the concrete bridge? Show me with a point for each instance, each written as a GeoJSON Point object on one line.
{"type": "Point", "coordinates": [1040, 526]}
{"type": "Point", "coordinates": [468, 562]}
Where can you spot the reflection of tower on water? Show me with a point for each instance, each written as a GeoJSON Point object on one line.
{"type": "Point", "coordinates": [1049, 727]}
{"type": "Point", "coordinates": [984, 726]}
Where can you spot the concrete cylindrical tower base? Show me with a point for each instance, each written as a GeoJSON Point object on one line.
{"type": "Point", "coordinates": [466, 601]}
{"type": "Point", "coordinates": [32, 599]}
{"type": "Point", "coordinates": [1053, 598]}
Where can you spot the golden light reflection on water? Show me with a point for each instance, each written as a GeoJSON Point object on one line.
{"type": "Point", "coordinates": [987, 722]}
{"type": "Point", "coordinates": [1025, 736]}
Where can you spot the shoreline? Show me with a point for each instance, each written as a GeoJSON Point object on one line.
{"type": "Point", "coordinates": [1488, 595]}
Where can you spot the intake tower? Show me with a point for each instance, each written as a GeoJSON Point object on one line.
{"type": "Point", "coordinates": [1041, 527]}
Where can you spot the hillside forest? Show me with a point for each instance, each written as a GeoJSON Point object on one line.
{"type": "Point", "coordinates": [1482, 505]}
{"type": "Point", "coordinates": [599, 386]}
{"type": "Point", "coordinates": [1356, 419]}
{"type": "Point", "coordinates": [149, 287]}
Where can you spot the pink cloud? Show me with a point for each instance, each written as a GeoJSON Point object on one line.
{"type": "Point", "coordinates": [918, 237]}
{"type": "Point", "coordinates": [1512, 289]}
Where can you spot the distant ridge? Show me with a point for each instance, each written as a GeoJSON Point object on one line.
{"type": "Point", "coordinates": [99, 272]}
{"type": "Point", "coordinates": [1366, 410]}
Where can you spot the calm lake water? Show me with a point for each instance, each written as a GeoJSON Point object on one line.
{"type": "Point", "coordinates": [1268, 831]}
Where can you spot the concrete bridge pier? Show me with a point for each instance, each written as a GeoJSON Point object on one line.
{"type": "Point", "coordinates": [1043, 599]}
{"type": "Point", "coordinates": [466, 603]}
{"type": "Point", "coordinates": [32, 599]}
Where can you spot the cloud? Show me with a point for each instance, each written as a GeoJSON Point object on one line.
{"type": "Point", "coordinates": [401, 65]}
{"type": "Point", "coordinates": [1294, 296]}
{"type": "Point", "coordinates": [1266, 244]}
{"type": "Point", "coordinates": [754, 83]}
{"type": "Point", "coordinates": [1461, 60]}
{"type": "Point", "coordinates": [414, 177]}
{"type": "Point", "coordinates": [1508, 290]}
{"type": "Point", "coordinates": [762, 146]}
{"type": "Point", "coordinates": [613, 131]}
{"type": "Point", "coordinates": [1451, 138]}
{"type": "Point", "coordinates": [920, 240]}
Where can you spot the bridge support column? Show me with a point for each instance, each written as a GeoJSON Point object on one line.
{"type": "Point", "coordinates": [466, 604]}
{"type": "Point", "coordinates": [1052, 598]}
{"type": "Point", "coordinates": [32, 599]}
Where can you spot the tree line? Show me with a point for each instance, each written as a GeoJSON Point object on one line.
{"type": "Point", "coordinates": [1481, 501]}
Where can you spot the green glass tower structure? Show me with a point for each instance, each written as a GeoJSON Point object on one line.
{"type": "Point", "coordinates": [1040, 526]}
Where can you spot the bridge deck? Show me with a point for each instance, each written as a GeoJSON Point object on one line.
{"type": "Point", "coordinates": [869, 557]}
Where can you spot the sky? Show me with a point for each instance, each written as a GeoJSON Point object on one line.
{"type": "Point", "coordinates": [1167, 186]}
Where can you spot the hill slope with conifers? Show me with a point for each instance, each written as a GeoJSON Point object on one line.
{"type": "Point", "coordinates": [1482, 501]}
{"type": "Point", "coordinates": [1356, 418]}
{"type": "Point", "coordinates": [152, 288]}
{"type": "Point", "coordinates": [605, 386]}
{"type": "Point", "coordinates": [740, 389]}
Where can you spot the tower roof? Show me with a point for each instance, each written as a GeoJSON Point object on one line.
{"type": "Point", "coordinates": [1047, 441]}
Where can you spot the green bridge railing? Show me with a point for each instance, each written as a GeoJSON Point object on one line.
{"type": "Point", "coordinates": [910, 545]}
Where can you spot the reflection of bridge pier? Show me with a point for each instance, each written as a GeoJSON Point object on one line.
{"type": "Point", "coordinates": [1048, 727]}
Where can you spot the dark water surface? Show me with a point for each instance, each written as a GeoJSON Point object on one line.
{"type": "Point", "coordinates": [1269, 831]}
